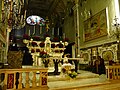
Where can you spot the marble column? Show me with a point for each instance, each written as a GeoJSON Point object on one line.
{"type": "Point", "coordinates": [7, 43]}
{"type": "Point", "coordinates": [77, 27]}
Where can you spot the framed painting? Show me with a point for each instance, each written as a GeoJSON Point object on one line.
{"type": "Point", "coordinates": [96, 26]}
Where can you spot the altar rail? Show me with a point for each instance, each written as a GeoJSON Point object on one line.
{"type": "Point", "coordinates": [12, 79]}
{"type": "Point", "coordinates": [113, 72]}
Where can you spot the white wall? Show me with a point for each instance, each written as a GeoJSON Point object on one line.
{"type": "Point", "coordinates": [69, 28]}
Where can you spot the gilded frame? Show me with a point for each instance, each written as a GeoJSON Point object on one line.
{"type": "Point", "coordinates": [96, 26]}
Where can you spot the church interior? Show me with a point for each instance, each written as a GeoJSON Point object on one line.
{"type": "Point", "coordinates": [59, 44]}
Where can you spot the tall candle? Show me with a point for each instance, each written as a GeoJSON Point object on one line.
{"type": "Point", "coordinates": [2, 4]}
{"type": "Point", "coordinates": [34, 30]}
{"type": "Point", "coordinates": [63, 35]}
{"type": "Point", "coordinates": [53, 31]}
{"type": "Point", "coordinates": [21, 18]}
{"type": "Point", "coordinates": [25, 14]}
{"type": "Point", "coordinates": [40, 29]}
{"type": "Point", "coordinates": [94, 53]}
{"type": "Point", "coordinates": [19, 9]}
{"type": "Point", "coordinates": [29, 32]}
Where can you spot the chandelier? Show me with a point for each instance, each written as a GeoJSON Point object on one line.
{"type": "Point", "coordinates": [115, 32]}
{"type": "Point", "coordinates": [15, 13]}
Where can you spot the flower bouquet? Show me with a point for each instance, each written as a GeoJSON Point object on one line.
{"type": "Point", "coordinates": [32, 51]}
{"type": "Point", "coordinates": [36, 38]}
{"type": "Point", "coordinates": [72, 74]}
{"type": "Point", "coordinates": [42, 44]}
{"type": "Point", "coordinates": [34, 44]}
{"type": "Point", "coordinates": [44, 55]}
{"type": "Point", "coordinates": [66, 39]}
{"type": "Point", "coordinates": [26, 36]}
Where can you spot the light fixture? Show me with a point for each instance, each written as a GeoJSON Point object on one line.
{"type": "Point", "coordinates": [115, 32]}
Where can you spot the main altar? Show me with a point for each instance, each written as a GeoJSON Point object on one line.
{"type": "Point", "coordinates": [46, 51]}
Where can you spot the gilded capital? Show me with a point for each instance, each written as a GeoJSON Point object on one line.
{"type": "Point", "coordinates": [9, 29]}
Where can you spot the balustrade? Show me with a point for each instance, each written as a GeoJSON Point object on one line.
{"type": "Point", "coordinates": [113, 72]}
{"type": "Point", "coordinates": [38, 78]}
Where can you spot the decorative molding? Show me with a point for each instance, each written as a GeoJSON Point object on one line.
{"type": "Point", "coordinates": [108, 52]}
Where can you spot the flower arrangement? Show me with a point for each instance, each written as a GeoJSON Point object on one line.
{"type": "Point", "coordinates": [72, 74]}
{"type": "Point", "coordinates": [66, 39]}
{"type": "Point", "coordinates": [60, 45]}
{"type": "Point", "coordinates": [43, 54]}
{"type": "Point", "coordinates": [56, 39]}
{"type": "Point", "coordinates": [53, 45]}
{"type": "Point", "coordinates": [37, 50]}
{"type": "Point", "coordinates": [26, 36]}
{"type": "Point", "coordinates": [34, 44]}
{"type": "Point", "coordinates": [32, 51]}
{"type": "Point", "coordinates": [42, 44]}
{"type": "Point", "coordinates": [46, 35]}
{"type": "Point", "coordinates": [36, 38]}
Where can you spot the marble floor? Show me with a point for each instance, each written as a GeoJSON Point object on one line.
{"type": "Point", "coordinates": [84, 79]}
{"type": "Point", "coordinates": [111, 85]}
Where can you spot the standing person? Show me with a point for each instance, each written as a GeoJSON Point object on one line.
{"type": "Point", "coordinates": [27, 57]}
{"type": "Point", "coordinates": [96, 66]}
{"type": "Point", "coordinates": [101, 67]}
{"type": "Point", "coordinates": [111, 62]}
{"type": "Point", "coordinates": [70, 49]}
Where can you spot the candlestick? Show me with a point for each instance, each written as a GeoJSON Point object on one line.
{"type": "Point", "coordinates": [21, 18]}
{"type": "Point", "coordinates": [19, 9]}
{"type": "Point", "coordinates": [29, 32]}
{"type": "Point", "coordinates": [53, 31]}
{"type": "Point", "coordinates": [25, 14]}
{"type": "Point", "coordinates": [34, 30]}
{"type": "Point", "coordinates": [40, 29]}
{"type": "Point", "coordinates": [2, 4]}
{"type": "Point", "coordinates": [64, 35]}
{"type": "Point", "coordinates": [94, 53]}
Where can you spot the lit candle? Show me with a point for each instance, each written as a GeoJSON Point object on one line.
{"type": "Point", "coordinates": [63, 35]}
{"type": "Point", "coordinates": [53, 31]}
{"type": "Point", "coordinates": [25, 14]}
{"type": "Point", "coordinates": [2, 4]}
{"type": "Point", "coordinates": [93, 53]}
{"type": "Point", "coordinates": [29, 32]}
{"type": "Point", "coordinates": [34, 30]}
{"type": "Point", "coordinates": [11, 3]}
{"type": "Point", "coordinates": [21, 18]}
{"type": "Point", "coordinates": [40, 29]}
{"type": "Point", "coordinates": [19, 9]}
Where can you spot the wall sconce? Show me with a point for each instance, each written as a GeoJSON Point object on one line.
{"type": "Point", "coordinates": [115, 32]}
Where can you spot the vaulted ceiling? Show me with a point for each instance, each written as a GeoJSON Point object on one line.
{"type": "Point", "coordinates": [45, 8]}
{"type": "Point", "coordinates": [55, 10]}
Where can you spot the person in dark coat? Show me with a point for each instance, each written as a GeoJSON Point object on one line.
{"type": "Point", "coordinates": [27, 57]}
{"type": "Point", "coordinates": [101, 67]}
{"type": "Point", "coordinates": [69, 51]}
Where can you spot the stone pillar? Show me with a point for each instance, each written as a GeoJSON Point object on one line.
{"type": "Point", "coordinates": [77, 27]}
{"type": "Point", "coordinates": [7, 41]}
